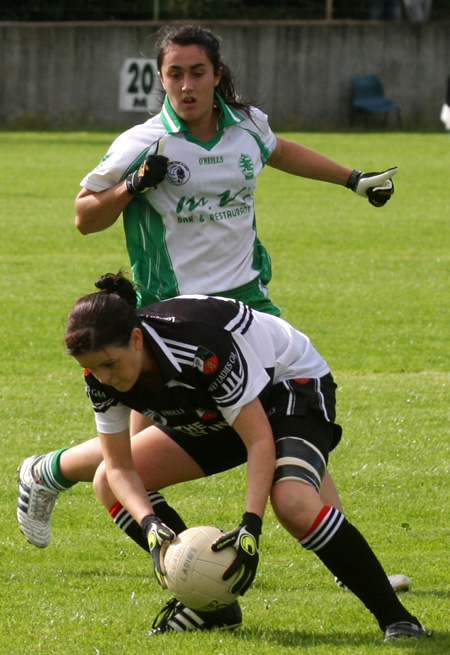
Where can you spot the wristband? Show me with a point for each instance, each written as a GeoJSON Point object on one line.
{"type": "Point", "coordinates": [353, 179]}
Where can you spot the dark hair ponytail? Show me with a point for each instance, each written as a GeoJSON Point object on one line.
{"type": "Point", "coordinates": [104, 318]}
{"type": "Point", "coordinates": [196, 35]}
{"type": "Point", "coordinates": [119, 284]}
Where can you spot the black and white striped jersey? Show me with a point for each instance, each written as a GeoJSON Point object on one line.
{"type": "Point", "coordinates": [215, 356]}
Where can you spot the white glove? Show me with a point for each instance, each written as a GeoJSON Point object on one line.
{"type": "Point", "coordinates": [377, 187]}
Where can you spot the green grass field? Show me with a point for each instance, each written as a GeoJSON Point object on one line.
{"type": "Point", "coordinates": [371, 288]}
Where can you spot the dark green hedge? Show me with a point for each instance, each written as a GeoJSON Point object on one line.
{"type": "Point", "coordinates": [61, 10]}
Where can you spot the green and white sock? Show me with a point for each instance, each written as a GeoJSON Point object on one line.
{"type": "Point", "coordinates": [50, 473]}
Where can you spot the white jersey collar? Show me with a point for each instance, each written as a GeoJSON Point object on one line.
{"type": "Point", "coordinates": [173, 123]}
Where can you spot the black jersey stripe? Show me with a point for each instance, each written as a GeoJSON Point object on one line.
{"type": "Point", "coordinates": [242, 321]}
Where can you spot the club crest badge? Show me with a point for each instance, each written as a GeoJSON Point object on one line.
{"type": "Point", "coordinates": [205, 361]}
{"type": "Point", "coordinates": [246, 166]}
{"type": "Point", "coordinates": [178, 173]}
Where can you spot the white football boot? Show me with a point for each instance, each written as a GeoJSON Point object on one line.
{"type": "Point", "coordinates": [35, 503]}
{"type": "Point", "coordinates": [405, 630]}
{"type": "Point", "coordinates": [399, 582]}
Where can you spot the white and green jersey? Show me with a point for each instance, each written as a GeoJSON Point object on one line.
{"type": "Point", "coordinates": [196, 232]}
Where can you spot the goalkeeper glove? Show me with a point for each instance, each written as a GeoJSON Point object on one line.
{"type": "Point", "coordinates": [377, 187]}
{"type": "Point", "coordinates": [245, 538]}
{"type": "Point", "coordinates": [158, 537]}
{"type": "Point", "coordinates": [150, 173]}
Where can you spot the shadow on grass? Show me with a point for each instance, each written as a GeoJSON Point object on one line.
{"type": "Point", "coordinates": [296, 638]}
{"type": "Point", "coordinates": [435, 593]}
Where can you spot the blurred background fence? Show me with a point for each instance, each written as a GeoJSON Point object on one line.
{"type": "Point", "coordinates": [99, 73]}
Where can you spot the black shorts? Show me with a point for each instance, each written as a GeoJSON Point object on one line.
{"type": "Point", "coordinates": [305, 408]}
{"type": "Point", "coordinates": [301, 414]}
{"type": "Point", "coordinates": [214, 452]}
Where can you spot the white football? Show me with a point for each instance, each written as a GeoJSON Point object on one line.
{"type": "Point", "coordinates": [194, 571]}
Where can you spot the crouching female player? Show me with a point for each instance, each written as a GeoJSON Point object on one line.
{"type": "Point", "coordinates": [225, 385]}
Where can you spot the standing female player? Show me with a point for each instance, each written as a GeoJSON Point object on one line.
{"type": "Point", "coordinates": [225, 385]}
{"type": "Point", "coordinates": [185, 182]}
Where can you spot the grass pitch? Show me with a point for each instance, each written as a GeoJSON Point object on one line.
{"type": "Point", "coordinates": [371, 288]}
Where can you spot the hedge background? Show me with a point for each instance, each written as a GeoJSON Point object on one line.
{"type": "Point", "coordinates": [61, 10]}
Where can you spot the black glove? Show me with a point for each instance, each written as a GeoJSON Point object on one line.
{"type": "Point", "coordinates": [245, 538]}
{"type": "Point", "coordinates": [377, 187]}
{"type": "Point", "coordinates": [158, 537]}
{"type": "Point", "coordinates": [150, 173]}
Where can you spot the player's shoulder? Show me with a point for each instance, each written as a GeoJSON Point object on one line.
{"type": "Point", "coordinates": [141, 135]}
{"type": "Point", "coordinates": [101, 395]}
{"type": "Point", "coordinates": [254, 117]}
{"type": "Point", "coordinates": [256, 123]}
{"type": "Point", "coordinates": [91, 382]}
{"type": "Point", "coordinates": [194, 308]}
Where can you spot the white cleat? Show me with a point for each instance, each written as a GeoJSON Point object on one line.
{"type": "Point", "coordinates": [399, 582]}
{"type": "Point", "coordinates": [405, 630]}
{"type": "Point", "coordinates": [35, 504]}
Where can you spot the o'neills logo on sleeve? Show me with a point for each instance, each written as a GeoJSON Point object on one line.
{"type": "Point", "coordinates": [205, 361]}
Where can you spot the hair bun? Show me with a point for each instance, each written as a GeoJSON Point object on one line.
{"type": "Point", "coordinates": [107, 282]}
{"type": "Point", "coordinates": [119, 284]}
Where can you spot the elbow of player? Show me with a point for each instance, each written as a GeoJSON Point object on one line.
{"type": "Point", "coordinates": [86, 227]}
{"type": "Point", "coordinates": [80, 226]}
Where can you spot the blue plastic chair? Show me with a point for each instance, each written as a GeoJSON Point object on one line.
{"type": "Point", "coordinates": [368, 98]}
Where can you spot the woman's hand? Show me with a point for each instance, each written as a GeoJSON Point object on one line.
{"type": "Point", "coordinates": [245, 538]}
{"type": "Point", "coordinates": [159, 537]}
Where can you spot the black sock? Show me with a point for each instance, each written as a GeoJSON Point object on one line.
{"type": "Point", "coordinates": [346, 553]}
{"type": "Point", "coordinates": [165, 513]}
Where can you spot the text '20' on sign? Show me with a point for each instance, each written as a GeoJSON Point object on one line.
{"type": "Point", "coordinates": [140, 88]}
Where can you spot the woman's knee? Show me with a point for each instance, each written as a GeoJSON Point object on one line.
{"type": "Point", "coordinates": [102, 488]}
{"type": "Point", "coordinates": [296, 504]}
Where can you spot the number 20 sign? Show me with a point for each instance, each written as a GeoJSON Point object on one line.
{"type": "Point", "coordinates": [140, 88]}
